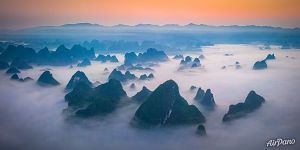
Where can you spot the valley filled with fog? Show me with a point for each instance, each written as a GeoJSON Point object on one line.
{"type": "Point", "coordinates": [35, 117]}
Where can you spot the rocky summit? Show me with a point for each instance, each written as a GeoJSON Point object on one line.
{"type": "Point", "coordinates": [46, 79]}
{"type": "Point", "coordinates": [116, 74]}
{"type": "Point", "coordinates": [78, 77]}
{"type": "Point", "coordinates": [151, 55]}
{"type": "Point", "coordinates": [260, 65]}
{"type": "Point", "coordinates": [142, 95]}
{"type": "Point", "coordinates": [12, 70]}
{"type": "Point", "coordinates": [165, 106]}
{"type": "Point", "coordinates": [101, 100]}
{"type": "Point", "coordinates": [253, 101]}
{"type": "Point", "coordinates": [270, 57]}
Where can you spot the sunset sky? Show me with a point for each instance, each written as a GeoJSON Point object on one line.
{"type": "Point", "coordinates": [29, 13]}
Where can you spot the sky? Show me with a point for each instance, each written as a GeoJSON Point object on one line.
{"type": "Point", "coordinates": [30, 13]}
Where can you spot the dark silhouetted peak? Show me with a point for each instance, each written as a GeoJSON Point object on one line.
{"type": "Point", "coordinates": [134, 67]}
{"type": "Point", "coordinates": [84, 63]}
{"type": "Point", "coordinates": [252, 102]}
{"type": "Point", "coordinates": [143, 77]}
{"type": "Point", "coordinates": [12, 70]}
{"type": "Point", "coordinates": [14, 77]}
{"type": "Point", "coordinates": [107, 58]}
{"type": "Point", "coordinates": [270, 57]}
{"type": "Point", "coordinates": [104, 99]}
{"type": "Point", "coordinates": [165, 106]}
{"type": "Point", "coordinates": [43, 52]}
{"type": "Point", "coordinates": [187, 60]}
{"type": "Point", "coordinates": [129, 76]}
{"type": "Point", "coordinates": [12, 52]}
{"type": "Point", "coordinates": [208, 99]}
{"type": "Point", "coordinates": [112, 89]}
{"type": "Point", "coordinates": [81, 95]}
{"type": "Point", "coordinates": [150, 76]}
{"type": "Point", "coordinates": [130, 58]}
{"type": "Point", "coordinates": [142, 95]}
{"type": "Point", "coordinates": [78, 77]}
{"type": "Point", "coordinates": [178, 57]}
{"type": "Point", "coordinates": [200, 94]}
{"type": "Point", "coordinates": [151, 55]}
{"type": "Point", "coordinates": [20, 64]}
{"type": "Point", "coordinates": [80, 52]}
{"type": "Point", "coordinates": [197, 60]}
{"type": "Point", "coordinates": [201, 130]}
{"type": "Point", "coordinates": [106, 69]}
{"type": "Point", "coordinates": [115, 74]}
{"type": "Point", "coordinates": [3, 65]}
{"type": "Point", "coordinates": [46, 78]}
{"type": "Point", "coordinates": [62, 48]}
{"type": "Point", "coordinates": [260, 65]}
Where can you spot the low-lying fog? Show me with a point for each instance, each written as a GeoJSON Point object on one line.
{"type": "Point", "coordinates": [32, 116]}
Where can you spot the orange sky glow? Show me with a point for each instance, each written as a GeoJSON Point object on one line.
{"type": "Point", "coordinates": [27, 13]}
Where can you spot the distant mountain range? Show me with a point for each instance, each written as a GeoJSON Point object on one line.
{"type": "Point", "coordinates": [190, 25]}
{"type": "Point", "coordinates": [143, 36]}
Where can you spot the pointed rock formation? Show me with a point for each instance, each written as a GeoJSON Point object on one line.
{"type": "Point", "coordinates": [78, 77]}
{"type": "Point", "coordinates": [260, 65]}
{"type": "Point", "coordinates": [103, 99]}
{"type": "Point", "coordinates": [200, 94]}
{"type": "Point", "coordinates": [178, 57]}
{"type": "Point", "coordinates": [79, 52]}
{"type": "Point", "coordinates": [143, 77]}
{"type": "Point", "coordinates": [150, 76]}
{"type": "Point", "coordinates": [165, 106]}
{"type": "Point", "coordinates": [14, 77]}
{"type": "Point", "coordinates": [46, 79]}
{"type": "Point", "coordinates": [208, 99]}
{"type": "Point", "coordinates": [253, 101]}
{"type": "Point", "coordinates": [205, 98]}
{"type": "Point", "coordinates": [270, 57]}
{"type": "Point", "coordinates": [103, 58]}
{"type": "Point", "coordinates": [142, 95]}
{"type": "Point", "coordinates": [115, 74]}
{"type": "Point", "coordinates": [12, 52]}
{"type": "Point", "coordinates": [151, 55]}
{"type": "Point", "coordinates": [201, 130]}
{"type": "Point", "coordinates": [81, 95]}
{"type": "Point", "coordinates": [187, 60]}
{"type": "Point", "coordinates": [12, 70]}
